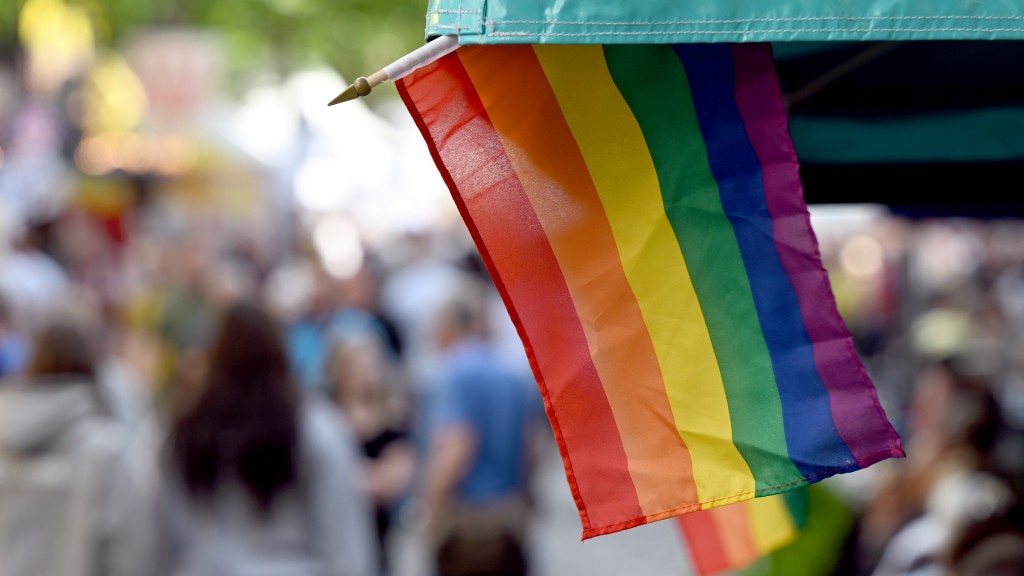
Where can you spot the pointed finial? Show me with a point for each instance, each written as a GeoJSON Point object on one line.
{"type": "Point", "coordinates": [361, 87]}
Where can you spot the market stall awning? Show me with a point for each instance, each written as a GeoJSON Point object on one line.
{"type": "Point", "coordinates": [916, 105]}
{"type": "Point", "coordinates": [924, 127]}
{"type": "Point", "coordinates": [675, 21]}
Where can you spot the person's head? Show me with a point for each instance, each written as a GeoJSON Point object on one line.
{"type": "Point", "coordinates": [229, 281]}
{"type": "Point", "coordinates": [955, 407]}
{"type": "Point", "coordinates": [357, 368]}
{"type": "Point", "coordinates": [365, 383]}
{"type": "Point", "coordinates": [462, 317]}
{"type": "Point", "coordinates": [63, 348]}
{"type": "Point", "coordinates": [248, 354]}
{"type": "Point", "coordinates": [244, 422]}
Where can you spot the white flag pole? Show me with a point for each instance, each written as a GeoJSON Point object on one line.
{"type": "Point", "coordinates": [418, 58]}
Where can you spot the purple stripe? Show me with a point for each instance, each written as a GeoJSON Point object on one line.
{"type": "Point", "coordinates": [858, 417]}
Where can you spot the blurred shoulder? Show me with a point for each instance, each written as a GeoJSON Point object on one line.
{"type": "Point", "coordinates": [107, 439]}
{"type": "Point", "coordinates": [323, 428]}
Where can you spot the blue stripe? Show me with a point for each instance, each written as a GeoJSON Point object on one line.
{"type": "Point", "coordinates": [814, 445]}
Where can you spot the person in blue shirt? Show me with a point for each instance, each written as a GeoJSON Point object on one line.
{"type": "Point", "coordinates": [480, 420]}
{"type": "Point", "coordinates": [325, 322]}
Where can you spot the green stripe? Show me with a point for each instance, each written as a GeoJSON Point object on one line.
{"type": "Point", "coordinates": [649, 76]}
{"type": "Point", "coordinates": [796, 503]}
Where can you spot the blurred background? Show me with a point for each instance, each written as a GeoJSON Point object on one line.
{"type": "Point", "coordinates": [158, 159]}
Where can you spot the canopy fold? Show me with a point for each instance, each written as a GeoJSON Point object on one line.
{"type": "Point", "coordinates": [675, 21]}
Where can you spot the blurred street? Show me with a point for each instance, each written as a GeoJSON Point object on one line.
{"type": "Point", "coordinates": [652, 550]}
{"type": "Point", "coordinates": [656, 549]}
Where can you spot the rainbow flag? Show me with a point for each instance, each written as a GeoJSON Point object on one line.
{"type": "Point", "coordinates": [640, 211]}
{"type": "Point", "coordinates": [735, 536]}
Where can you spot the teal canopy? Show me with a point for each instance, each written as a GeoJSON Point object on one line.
{"type": "Point", "coordinates": [676, 21]}
{"type": "Point", "coordinates": [916, 104]}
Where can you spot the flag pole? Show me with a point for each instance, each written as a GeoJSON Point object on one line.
{"type": "Point", "coordinates": [418, 58]}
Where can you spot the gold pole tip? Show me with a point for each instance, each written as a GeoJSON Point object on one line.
{"type": "Point", "coordinates": [358, 88]}
{"type": "Point", "coordinates": [346, 95]}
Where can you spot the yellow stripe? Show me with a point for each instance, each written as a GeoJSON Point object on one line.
{"type": "Point", "coordinates": [771, 523]}
{"type": "Point", "coordinates": [556, 180]}
{"type": "Point", "coordinates": [627, 183]}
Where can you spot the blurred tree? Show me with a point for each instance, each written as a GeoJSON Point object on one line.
{"type": "Point", "coordinates": [8, 31]}
{"type": "Point", "coordinates": [355, 37]}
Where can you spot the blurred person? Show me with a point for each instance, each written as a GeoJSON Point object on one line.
{"type": "Point", "coordinates": [323, 319]}
{"type": "Point", "coordinates": [31, 280]}
{"type": "Point", "coordinates": [479, 430]}
{"type": "Point", "coordinates": [85, 245]}
{"type": "Point", "coordinates": [140, 311]}
{"type": "Point", "coordinates": [992, 547]}
{"type": "Point", "coordinates": [74, 499]}
{"type": "Point", "coordinates": [412, 295]}
{"type": "Point", "coordinates": [363, 384]}
{"type": "Point", "coordinates": [187, 316]}
{"type": "Point", "coordinates": [947, 482]}
{"type": "Point", "coordinates": [13, 348]}
{"type": "Point", "coordinates": [228, 281]}
{"type": "Point", "coordinates": [125, 392]}
{"type": "Point", "coordinates": [260, 479]}
{"type": "Point", "coordinates": [502, 331]}
{"type": "Point", "coordinates": [287, 289]}
{"type": "Point", "coordinates": [362, 291]}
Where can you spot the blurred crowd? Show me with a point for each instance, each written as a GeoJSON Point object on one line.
{"type": "Point", "coordinates": [936, 309]}
{"type": "Point", "coordinates": [195, 407]}
{"type": "Point", "coordinates": [233, 339]}
{"type": "Point", "coordinates": [216, 359]}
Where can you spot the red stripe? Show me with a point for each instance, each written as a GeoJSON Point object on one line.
{"type": "Point", "coordinates": [508, 234]}
{"type": "Point", "coordinates": [704, 541]}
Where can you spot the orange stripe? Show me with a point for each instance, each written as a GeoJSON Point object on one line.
{"type": "Point", "coordinates": [704, 542]}
{"type": "Point", "coordinates": [734, 526]}
{"type": "Point", "coordinates": [513, 87]}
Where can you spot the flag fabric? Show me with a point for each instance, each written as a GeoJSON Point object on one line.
{"type": "Point", "coordinates": [639, 210]}
{"type": "Point", "coordinates": [735, 536]}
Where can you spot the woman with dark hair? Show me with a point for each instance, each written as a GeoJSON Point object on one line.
{"type": "Point", "coordinates": [72, 499]}
{"type": "Point", "coordinates": [262, 480]}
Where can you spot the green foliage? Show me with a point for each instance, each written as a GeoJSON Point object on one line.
{"type": "Point", "coordinates": [816, 549]}
{"type": "Point", "coordinates": [8, 26]}
{"type": "Point", "coordinates": [356, 37]}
